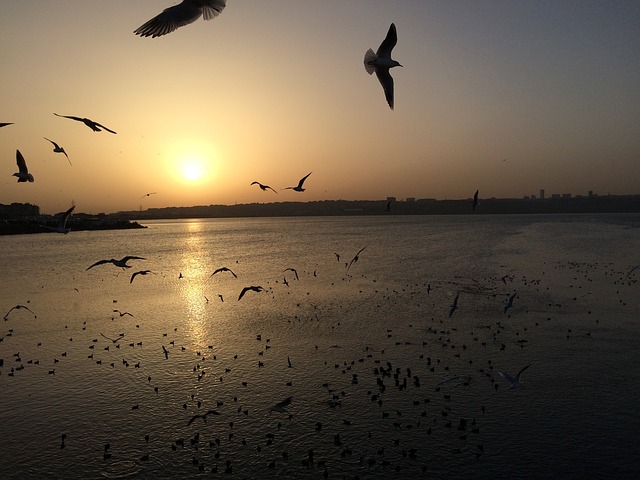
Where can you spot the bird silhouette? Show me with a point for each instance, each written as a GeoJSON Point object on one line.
{"type": "Point", "coordinates": [141, 272]}
{"type": "Point", "coordinates": [246, 289]}
{"type": "Point", "coordinates": [510, 302]}
{"type": "Point", "coordinates": [223, 269]}
{"type": "Point", "coordinates": [95, 126]}
{"type": "Point", "coordinates": [474, 204]}
{"type": "Point", "coordinates": [281, 406]}
{"type": "Point", "coordinates": [4, 124]}
{"type": "Point", "coordinates": [263, 187]}
{"type": "Point", "coordinates": [355, 259]}
{"type": "Point", "coordinates": [147, 195]}
{"type": "Point", "coordinates": [380, 62]}
{"type": "Point", "coordinates": [18, 307]}
{"type": "Point", "coordinates": [58, 149]}
{"type": "Point", "coordinates": [454, 306]}
{"type": "Point", "coordinates": [62, 224]}
{"type": "Point", "coordinates": [298, 188]}
{"type": "Point", "coordinates": [515, 382]}
{"type": "Point", "coordinates": [180, 15]}
{"type": "Point", "coordinates": [203, 416]}
{"type": "Point", "coordinates": [295, 272]}
{"type": "Point", "coordinates": [23, 172]}
{"type": "Point", "coordinates": [122, 263]}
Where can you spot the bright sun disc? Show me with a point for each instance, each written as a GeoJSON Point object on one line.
{"type": "Point", "coordinates": [192, 168]}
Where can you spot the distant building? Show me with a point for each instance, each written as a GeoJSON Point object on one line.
{"type": "Point", "coordinates": [542, 194]}
{"type": "Point", "coordinates": [566, 195]}
{"type": "Point", "coordinates": [18, 210]}
{"type": "Point", "coordinates": [391, 199]}
{"type": "Point", "coordinates": [410, 199]}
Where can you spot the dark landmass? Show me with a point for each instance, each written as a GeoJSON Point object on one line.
{"type": "Point", "coordinates": [493, 206]}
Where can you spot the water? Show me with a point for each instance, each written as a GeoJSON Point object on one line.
{"type": "Point", "coordinates": [346, 333]}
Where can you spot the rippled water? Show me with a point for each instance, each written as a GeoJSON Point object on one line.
{"type": "Point", "coordinates": [368, 348]}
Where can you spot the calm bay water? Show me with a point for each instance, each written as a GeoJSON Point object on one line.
{"type": "Point", "coordinates": [368, 347]}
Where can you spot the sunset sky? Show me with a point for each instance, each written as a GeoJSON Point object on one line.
{"type": "Point", "coordinates": [502, 96]}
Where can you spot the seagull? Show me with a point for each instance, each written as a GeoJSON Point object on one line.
{"type": "Point", "coordinates": [18, 307]}
{"type": "Point", "coordinates": [5, 124]}
{"type": "Point", "coordinates": [58, 149]}
{"type": "Point", "coordinates": [294, 271]}
{"type": "Point", "coordinates": [23, 173]}
{"type": "Point", "coordinates": [515, 382]}
{"type": "Point", "coordinates": [298, 188]}
{"type": "Point", "coordinates": [122, 263]}
{"type": "Point", "coordinates": [166, 352]}
{"type": "Point", "coordinates": [122, 314]}
{"type": "Point", "coordinates": [281, 406]}
{"type": "Point", "coordinates": [203, 416]}
{"type": "Point", "coordinates": [355, 259]}
{"type": "Point", "coordinates": [380, 62]}
{"type": "Point", "coordinates": [510, 302]}
{"type": "Point", "coordinates": [95, 126]}
{"type": "Point", "coordinates": [147, 195]}
{"type": "Point", "coordinates": [246, 289]}
{"type": "Point", "coordinates": [62, 224]}
{"type": "Point", "coordinates": [388, 207]}
{"type": "Point", "coordinates": [114, 340]}
{"type": "Point", "coordinates": [223, 269]}
{"type": "Point", "coordinates": [475, 200]}
{"type": "Point", "coordinates": [454, 307]}
{"type": "Point", "coordinates": [337, 256]}
{"type": "Point", "coordinates": [263, 187]}
{"type": "Point", "coordinates": [180, 15]}
{"type": "Point", "coordinates": [141, 272]}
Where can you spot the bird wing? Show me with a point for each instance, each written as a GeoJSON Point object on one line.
{"type": "Point", "coordinates": [384, 50]}
{"type": "Point", "coordinates": [172, 18]}
{"type": "Point", "coordinates": [70, 117]}
{"type": "Point", "coordinates": [5, 124]}
{"type": "Point", "coordinates": [303, 179]}
{"type": "Point", "coordinates": [213, 8]}
{"type": "Point", "coordinates": [386, 80]}
{"type": "Point", "coordinates": [508, 377]}
{"type": "Point", "coordinates": [22, 165]}
{"type": "Point", "coordinates": [99, 262]}
{"type": "Point", "coordinates": [134, 276]}
{"type": "Point", "coordinates": [130, 257]}
{"type": "Point", "coordinates": [55, 145]}
{"type": "Point", "coordinates": [244, 290]}
{"type": "Point", "coordinates": [521, 370]}
{"type": "Point", "coordinates": [63, 220]}
{"type": "Point", "coordinates": [104, 128]}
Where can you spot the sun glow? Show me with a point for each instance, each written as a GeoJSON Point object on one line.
{"type": "Point", "coordinates": [192, 169]}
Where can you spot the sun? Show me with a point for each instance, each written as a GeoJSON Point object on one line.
{"type": "Point", "coordinates": [193, 168]}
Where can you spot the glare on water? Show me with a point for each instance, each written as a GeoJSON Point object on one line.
{"type": "Point", "coordinates": [383, 382]}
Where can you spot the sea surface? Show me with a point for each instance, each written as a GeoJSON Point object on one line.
{"type": "Point", "coordinates": [371, 373]}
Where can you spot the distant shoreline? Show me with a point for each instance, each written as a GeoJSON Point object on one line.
{"type": "Point", "coordinates": [17, 227]}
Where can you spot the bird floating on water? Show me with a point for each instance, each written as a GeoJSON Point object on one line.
{"type": "Point", "coordinates": [298, 188]}
{"type": "Point", "coordinates": [62, 224]}
{"type": "Point", "coordinates": [58, 149]}
{"type": "Point", "coordinates": [122, 263]}
{"type": "Point", "coordinates": [380, 62]}
{"type": "Point", "coordinates": [246, 289]}
{"type": "Point", "coordinates": [186, 12]}
{"type": "Point", "coordinates": [95, 126]}
{"type": "Point", "coordinates": [515, 382]}
{"type": "Point", "coordinates": [263, 187]}
{"type": "Point", "coordinates": [23, 172]}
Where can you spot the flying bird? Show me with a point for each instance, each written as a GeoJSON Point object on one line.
{"type": "Point", "coordinates": [295, 272]}
{"type": "Point", "coordinates": [122, 263]}
{"type": "Point", "coordinates": [246, 289]}
{"type": "Point", "coordinates": [203, 416]}
{"type": "Point", "coordinates": [58, 149]}
{"type": "Point", "coordinates": [510, 302]}
{"type": "Point", "coordinates": [18, 307]}
{"type": "Point", "coordinates": [282, 406]}
{"type": "Point", "coordinates": [62, 224]}
{"type": "Point", "coordinates": [180, 15]}
{"type": "Point", "coordinates": [263, 187]}
{"type": "Point", "coordinates": [147, 195]}
{"type": "Point", "coordinates": [95, 126]}
{"type": "Point", "coordinates": [380, 62]}
{"type": "Point", "coordinates": [454, 307]}
{"type": "Point", "coordinates": [355, 259]}
{"type": "Point", "coordinates": [23, 173]}
{"type": "Point", "coordinates": [474, 204]}
{"type": "Point", "coordinates": [141, 272]}
{"type": "Point", "coordinates": [515, 382]}
{"type": "Point", "coordinates": [223, 269]}
{"type": "Point", "coordinates": [298, 188]}
{"type": "Point", "coordinates": [122, 314]}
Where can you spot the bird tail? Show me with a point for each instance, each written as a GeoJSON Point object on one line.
{"type": "Point", "coordinates": [369, 58]}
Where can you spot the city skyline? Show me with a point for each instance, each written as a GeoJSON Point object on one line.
{"type": "Point", "coordinates": [496, 96]}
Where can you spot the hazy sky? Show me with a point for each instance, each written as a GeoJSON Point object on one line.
{"type": "Point", "coordinates": [503, 96]}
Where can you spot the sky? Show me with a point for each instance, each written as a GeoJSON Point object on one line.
{"type": "Point", "coordinates": [507, 97]}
